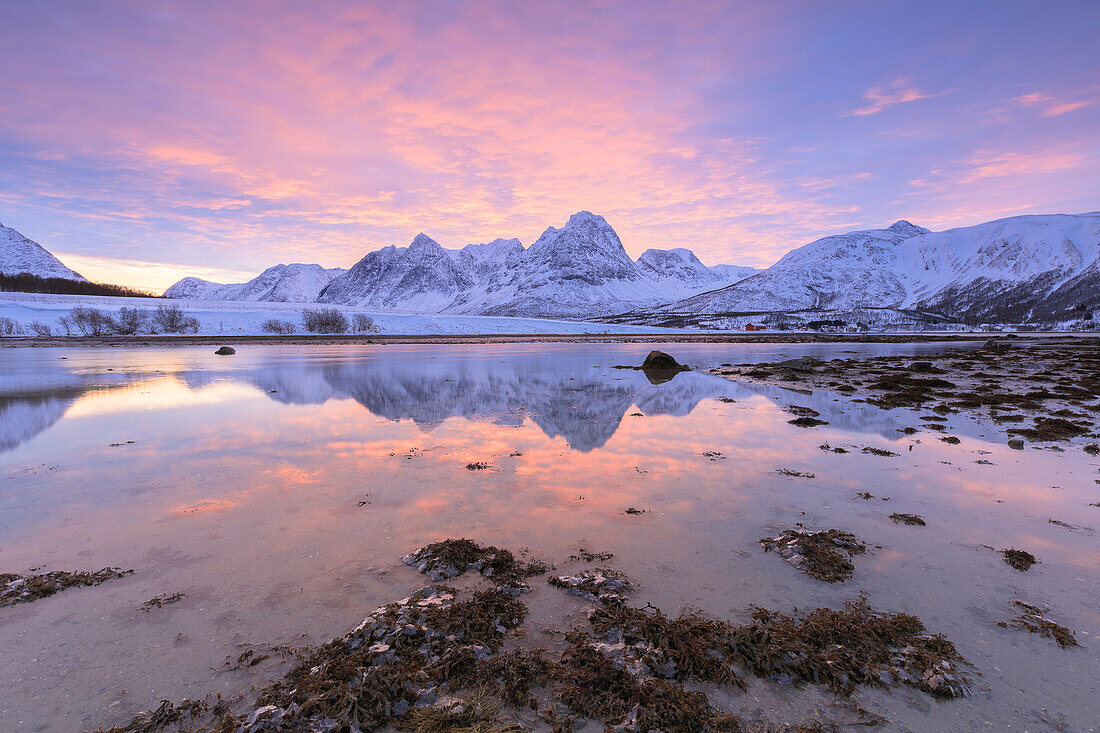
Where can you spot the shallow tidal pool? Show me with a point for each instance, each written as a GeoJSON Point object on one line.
{"type": "Point", "coordinates": [278, 489]}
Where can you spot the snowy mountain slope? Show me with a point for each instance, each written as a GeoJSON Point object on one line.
{"type": "Point", "coordinates": [1040, 267]}
{"type": "Point", "coordinates": [484, 260]}
{"type": "Point", "coordinates": [19, 254]}
{"type": "Point", "coordinates": [735, 273]}
{"type": "Point", "coordinates": [841, 271]}
{"type": "Point", "coordinates": [293, 283]}
{"type": "Point", "coordinates": [1015, 269]}
{"type": "Point", "coordinates": [681, 273]}
{"type": "Point", "coordinates": [194, 288]}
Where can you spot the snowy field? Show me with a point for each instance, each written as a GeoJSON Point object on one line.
{"type": "Point", "coordinates": [245, 318]}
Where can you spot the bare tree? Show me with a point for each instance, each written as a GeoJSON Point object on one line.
{"type": "Point", "coordinates": [129, 320]}
{"type": "Point", "coordinates": [172, 319]}
{"type": "Point", "coordinates": [90, 321]}
{"type": "Point", "coordinates": [274, 325]}
{"type": "Point", "coordinates": [325, 320]}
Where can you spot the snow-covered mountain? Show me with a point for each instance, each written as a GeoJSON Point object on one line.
{"type": "Point", "coordinates": [293, 283]}
{"type": "Point", "coordinates": [680, 270]}
{"type": "Point", "coordinates": [579, 270]}
{"type": "Point", "coordinates": [19, 254]}
{"type": "Point", "coordinates": [1043, 267]}
{"type": "Point", "coordinates": [423, 277]}
{"type": "Point", "coordinates": [840, 271]}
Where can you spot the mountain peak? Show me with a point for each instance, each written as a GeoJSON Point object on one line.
{"type": "Point", "coordinates": [422, 240]}
{"type": "Point", "coordinates": [423, 244]}
{"type": "Point", "coordinates": [906, 228]}
{"type": "Point", "coordinates": [587, 217]}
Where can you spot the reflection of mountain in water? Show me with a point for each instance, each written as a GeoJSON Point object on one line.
{"type": "Point", "coordinates": [563, 393]}
{"type": "Point", "coordinates": [24, 417]}
{"type": "Point", "coordinates": [29, 405]}
{"type": "Point", "coordinates": [563, 396]}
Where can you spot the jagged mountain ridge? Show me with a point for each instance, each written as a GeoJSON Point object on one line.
{"type": "Point", "coordinates": [579, 270]}
{"type": "Point", "coordinates": [18, 254]}
{"type": "Point", "coordinates": [293, 283]}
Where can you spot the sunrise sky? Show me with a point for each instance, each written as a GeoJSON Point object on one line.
{"type": "Point", "coordinates": [143, 141]}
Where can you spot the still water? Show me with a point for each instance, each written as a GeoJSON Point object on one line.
{"type": "Point", "coordinates": [279, 488]}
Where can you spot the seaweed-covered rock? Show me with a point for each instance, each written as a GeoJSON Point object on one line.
{"type": "Point", "coordinates": [823, 555]}
{"type": "Point", "coordinates": [602, 585]}
{"type": "Point", "coordinates": [451, 558]}
{"type": "Point", "coordinates": [226, 351]}
{"type": "Point", "coordinates": [395, 659]}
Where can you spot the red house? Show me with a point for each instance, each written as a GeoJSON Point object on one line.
{"type": "Point", "coordinates": [753, 327]}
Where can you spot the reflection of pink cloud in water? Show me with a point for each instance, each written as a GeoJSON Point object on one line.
{"type": "Point", "coordinates": [205, 507]}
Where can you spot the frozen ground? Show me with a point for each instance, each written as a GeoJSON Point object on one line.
{"type": "Point", "coordinates": [242, 318]}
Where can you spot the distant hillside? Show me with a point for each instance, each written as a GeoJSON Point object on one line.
{"type": "Point", "coordinates": [21, 255]}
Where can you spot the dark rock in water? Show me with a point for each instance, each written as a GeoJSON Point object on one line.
{"type": "Point", "coordinates": [661, 360]}
{"type": "Point", "coordinates": [226, 351]}
{"type": "Point", "coordinates": [1016, 443]}
{"type": "Point", "coordinates": [659, 367]}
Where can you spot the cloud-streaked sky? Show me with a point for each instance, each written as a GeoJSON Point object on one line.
{"type": "Point", "coordinates": [146, 140]}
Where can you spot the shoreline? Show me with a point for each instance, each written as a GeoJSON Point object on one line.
{"type": "Point", "coordinates": [405, 339]}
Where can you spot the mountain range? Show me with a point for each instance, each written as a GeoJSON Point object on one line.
{"type": "Point", "coordinates": [578, 270]}
{"type": "Point", "coordinates": [1035, 268]}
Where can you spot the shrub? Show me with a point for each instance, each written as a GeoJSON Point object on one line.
{"type": "Point", "coordinates": [41, 329]}
{"type": "Point", "coordinates": [172, 319]}
{"type": "Point", "coordinates": [274, 325]}
{"type": "Point", "coordinates": [325, 320]}
{"type": "Point", "coordinates": [90, 321]}
{"type": "Point", "coordinates": [362, 323]}
{"type": "Point", "coordinates": [129, 320]}
{"type": "Point", "coordinates": [9, 327]}
{"type": "Point", "coordinates": [66, 323]}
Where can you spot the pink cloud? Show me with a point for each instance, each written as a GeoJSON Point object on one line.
{"type": "Point", "coordinates": [880, 98]}
{"type": "Point", "coordinates": [1050, 106]}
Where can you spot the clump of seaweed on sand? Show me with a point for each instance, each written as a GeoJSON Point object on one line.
{"type": "Point", "coordinates": [27, 588]}
{"type": "Point", "coordinates": [1019, 559]}
{"type": "Point", "coordinates": [583, 553]}
{"type": "Point", "coordinates": [1034, 619]}
{"type": "Point", "coordinates": [451, 558]}
{"type": "Point", "coordinates": [825, 554]}
{"type": "Point", "coordinates": [912, 520]}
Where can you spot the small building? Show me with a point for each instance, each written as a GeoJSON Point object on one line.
{"type": "Point", "coordinates": [753, 327]}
